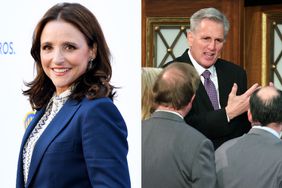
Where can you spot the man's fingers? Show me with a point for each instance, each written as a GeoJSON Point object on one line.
{"type": "Point", "coordinates": [251, 89]}
{"type": "Point", "coordinates": [271, 84]}
{"type": "Point", "coordinates": [234, 90]}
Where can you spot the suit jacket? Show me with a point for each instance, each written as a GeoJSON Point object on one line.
{"type": "Point", "coordinates": [213, 123]}
{"type": "Point", "coordinates": [175, 155]}
{"type": "Point", "coordinates": [83, 146]}
{"type": "Point", "coordinates": [253, 160]}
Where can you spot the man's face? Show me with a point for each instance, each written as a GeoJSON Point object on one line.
{"type": "Point", "coordinates": [206, 42]}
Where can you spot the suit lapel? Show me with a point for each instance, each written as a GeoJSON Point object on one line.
{"type": "Point", "coordinates": [56, 125]}
{"type": "Point", "coordinates": [32, 124]}
{"type": "Point", "coordinates": [202, 97]}
{"type": "Point", "coordinates": [223, 82]}
{"type": "Point", "coordinates": [30, 127]}
{"type": "Point", "coordinates": [201, 94]}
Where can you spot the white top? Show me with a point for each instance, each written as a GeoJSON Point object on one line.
{"type": "Point", "coordinates": [54, 105]}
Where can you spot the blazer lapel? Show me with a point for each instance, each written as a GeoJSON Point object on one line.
{"type": "Point", "coordinates": [36, 118]}
{"type": "Point", "coordinates": [223, 82]}
{"type": "Point", "coordinates": [53, 129]}
{"type": "Point", "coordinates": [201, 95]}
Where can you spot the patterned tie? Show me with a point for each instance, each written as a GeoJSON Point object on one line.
{"type": "Point", "coordinates": [210, 88]}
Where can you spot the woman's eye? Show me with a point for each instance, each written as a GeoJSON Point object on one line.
{"type": "Point", "coordinates": [46, 47]}
{"type": "Point", "coordinates": [69, 47]}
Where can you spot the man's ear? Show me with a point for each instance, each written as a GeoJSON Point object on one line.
{"type": "Point", "coordinates": [188, 107]}
{"type": "Point", "coordinates": [250, 117]}
{"type": "Point", "coordinates": [190, 38]}
{"type": "Point", "coordinates": [191, 101]}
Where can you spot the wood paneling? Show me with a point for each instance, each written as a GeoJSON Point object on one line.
{"type": "Point", "coordinates": [233, 9]}
{"type": "Point", "coordinates": [257, 42]}
{"type": "Point", "coordinates": [185, 8]}
{"type": "Point", "coordinates": [247, 44]}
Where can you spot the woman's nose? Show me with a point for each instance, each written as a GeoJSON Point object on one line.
{"type": "Point", "coordinates": [58, 57]}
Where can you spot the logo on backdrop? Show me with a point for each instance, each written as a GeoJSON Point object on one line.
{"type": "Point", "coordinates": [7, 48]}
{"type": "Point", "coordinates": [28, 118]}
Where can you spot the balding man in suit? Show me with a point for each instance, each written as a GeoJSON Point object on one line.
{"type": "Point", "coordinates": [174, 154]}
{"type": "Point", "coordinates": [255, 159]}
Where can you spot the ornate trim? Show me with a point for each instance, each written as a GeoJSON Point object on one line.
{"type": "Point", "coordinates": [152, 25]}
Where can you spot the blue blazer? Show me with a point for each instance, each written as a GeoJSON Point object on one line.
{"type": "Point", "coordinates": [85, 145]}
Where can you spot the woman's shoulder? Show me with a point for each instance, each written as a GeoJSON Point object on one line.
{"type": "Point", "coordinates": [103, 100]}
{"type": "Point", "coordinates": [103, 106]}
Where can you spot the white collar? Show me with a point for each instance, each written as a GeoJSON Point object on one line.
{"type": "Point", "coordinates": [268, 130]}
{"type": "Point", "coordinates": [176, 113]}
{"type": "Point", "coordinates": [199, 68]}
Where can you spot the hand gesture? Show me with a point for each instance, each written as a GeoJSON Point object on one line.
{"type": "Point", "coordinates": [238, 104]}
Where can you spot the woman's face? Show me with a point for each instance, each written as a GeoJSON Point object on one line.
{"type": "Point", "coordinates": [64, 53]}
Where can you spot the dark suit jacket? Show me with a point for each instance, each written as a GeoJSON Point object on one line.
{"type": "Point", "coordinates": [253, 160]}
{"type": "Point", "coordinates": [175, 155]}
{"type": "Point", "coordinates": [84, 146]}
{"type": "Point", "coordinates": [213, 123]}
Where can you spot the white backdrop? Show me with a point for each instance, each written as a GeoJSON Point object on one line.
{"type": "Point", "coordinates": [121, 23]}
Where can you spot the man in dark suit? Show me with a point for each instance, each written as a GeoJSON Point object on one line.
{"type": "Point", "coordinates": [224, 116]}
{"type": "Point", "coordinates": [175, 154]}
{"type": "Point", "coordinates": [254, 159]}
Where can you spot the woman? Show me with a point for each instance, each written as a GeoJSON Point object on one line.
{"type": "Point", "coordinates": [77, 137]}
{"type": "Point", "coordinates": [149, 75]}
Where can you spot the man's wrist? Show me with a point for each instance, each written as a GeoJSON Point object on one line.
{"type": "Point", "coordinates": [228, 115]}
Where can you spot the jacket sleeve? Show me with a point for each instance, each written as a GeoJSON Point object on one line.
{"type": "Point", "coordinates": [105, 148]}
{"type": "Point", "coordinates": [203, 167]}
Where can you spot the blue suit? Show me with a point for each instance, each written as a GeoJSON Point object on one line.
{"type": "Point", "coordinates": [84, 146]}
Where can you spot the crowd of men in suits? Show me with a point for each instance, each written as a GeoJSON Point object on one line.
{"type": "Point", "coordinates": [208, 129]}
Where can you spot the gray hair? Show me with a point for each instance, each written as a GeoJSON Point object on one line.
{"type": "Point", "coordinates": [211, 14]}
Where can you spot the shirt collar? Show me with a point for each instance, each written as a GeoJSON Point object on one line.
{"type": "Point", "coordinates": [65, 94]}
{"type": "Point", "coordinates": [199, 68]}
{"type": "Point", "coordinates": [268, 130]}
{"type": "Point", "coordinates": [176, 113]}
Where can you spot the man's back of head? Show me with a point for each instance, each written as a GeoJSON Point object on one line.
{"type": "Point", "coordinates": [176, 86]}
{"type": "Point", "coordinates": [175, 154]}
{"type": "Point", "coordinates": [259, 151]}
{"type": "Point", "coordinates": [266, 106]}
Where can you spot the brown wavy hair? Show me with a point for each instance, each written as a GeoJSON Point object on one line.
{"type": "Point", "coordinates": [94, 83]}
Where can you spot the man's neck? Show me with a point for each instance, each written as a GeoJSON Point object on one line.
{"type": "Point", "coordinates": [275, 126]}
{"type": "Point", "coordinates": [171, 109]}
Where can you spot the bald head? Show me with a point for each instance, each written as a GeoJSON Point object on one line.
{"type": "Point", "coordinates": [266, 94]}
{"type": "Point", "coordinates": [266, 105]}
{"type": "Point", "coordinates": [173, 75]}
{"type": "Point", "coordinates": [176, 85]}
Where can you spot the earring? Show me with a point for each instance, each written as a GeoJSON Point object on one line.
{"type": "Point", "coordinates": [91, 63]}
